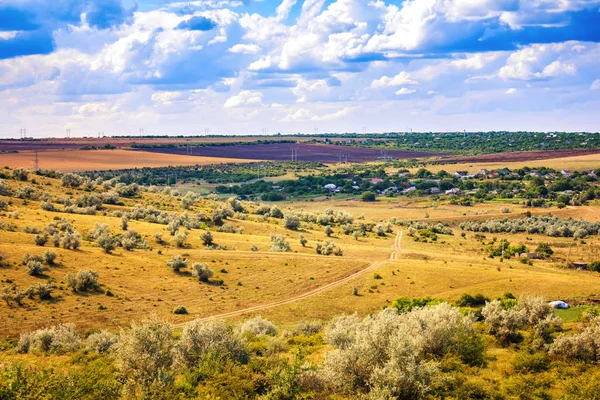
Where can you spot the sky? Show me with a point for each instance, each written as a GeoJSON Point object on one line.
{"type": "Point", "coordinates": [249, 66]}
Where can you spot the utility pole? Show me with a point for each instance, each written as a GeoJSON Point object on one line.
{"type": "Point", "coordinates": [36, 164]}
{"type": "Point", "coordinates": [294, 150]}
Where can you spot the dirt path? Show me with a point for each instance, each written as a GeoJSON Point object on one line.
{"type": "Point", "coordinates": [375, 265]}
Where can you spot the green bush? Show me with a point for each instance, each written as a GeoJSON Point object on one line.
{"type": "Point", "coordinates": [179, 310]}
{"type": "Point", "coordinates": [467, 300]}
{"type": "Point", "coordinates": [368, 196]}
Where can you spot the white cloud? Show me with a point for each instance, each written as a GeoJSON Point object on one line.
{"type": "Point", "coordinates": [166, 97]}
{"type": "Point", "coordinates": [7, 35]}
{"type": "Point", "coordinates": [596, 85]}
{"type": "Point", "coordinates": [538, 62]}
{"type": "Point", "coordinates": [556, 68]}
{"type": "Point", "coordinates": [284, 8]}
{"type": "Point", "coordinates": [335, 115]}
{"type": "Point", "coordinates": [299, 114]}
{"type": "Point", "coordinates": [245, 49]}
{"type": "Point", "coordinates": [403, 78]}
{"type": "Point", "coordinates": [510, 91]}
{"type": "Point", "coordinates": [405, 91]}
{"type": "Point", "coordinates": [245, 99]}
{"type": "Point", "coordinates": [263, 63]}
{"type": "Point", "coordinates": [475, 61]}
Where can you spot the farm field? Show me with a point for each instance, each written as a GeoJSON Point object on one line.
{"type": "Point", "coordinates": [7, 145]}
{"type": "Point", "coordinates": [573, 162]}
{"type": "Point", "coordinates": [305, 152]}
{"type": "Point", "coordinates": [90, 160]}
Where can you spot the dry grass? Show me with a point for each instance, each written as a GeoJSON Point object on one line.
{"type": "Point", "coordinates": [143, 284]}
{"type": "Point", "coordinates": [89, 160]}
{"type": "Point", "coordinates": [575, 163]}
{"type": "Point", "coordinates": [447, 270]}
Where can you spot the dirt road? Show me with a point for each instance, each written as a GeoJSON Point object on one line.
{"type": "Point", "coordinates": [375, 265]}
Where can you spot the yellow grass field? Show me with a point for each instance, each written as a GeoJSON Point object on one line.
{"type": "Point", "coordinates": [575, 163]}
{"type": "Point", "coordinates": [90, 160]}
{"type": "Point", "coordinates": [253, 275]}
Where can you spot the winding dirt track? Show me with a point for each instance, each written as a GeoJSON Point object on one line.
{"type": "Point", "coordinates": [376, 264]}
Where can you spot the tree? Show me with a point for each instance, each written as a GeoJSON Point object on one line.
{"type": "Point", "coordinates": [544, 250]}
{"type": "Point", "coordinates": [368, 196]}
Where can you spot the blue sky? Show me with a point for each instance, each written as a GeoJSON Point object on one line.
{"type": "Point", "coordinates": [238, 66]}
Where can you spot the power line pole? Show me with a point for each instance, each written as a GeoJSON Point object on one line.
{"type": "Point", "coordinates": [36, 164]}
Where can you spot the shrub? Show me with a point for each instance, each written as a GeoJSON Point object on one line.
{"type": "Point", "coordinates": [83, 281]}
{"type": "Point", "coordinates": [404, 304]}
{"type": "Point", "coordinates": [20, 174]}
{"type": "Point", "coordinates": [69, 240]}
{"type": "Point", "coordinates": [188, 200]}
{"type": "Point", "coordinates": [41, 240]}
{"type": "Point", "coordinates": [221, 213]}
{"type": "Point", "coordinates": [227, 228]}
{"type": "Point", "coordinates": [102, 342]}
{"type": "Point", "coordinates": [328, 231]}
{"type": "Point", "coordinates": [3, 204]}
{"type": "Point", "coordinates": [35, 268]}
{"type": "Point", "coordinates": [368, 196]}
{"type": "Point", "coordinates": [44, 290]}
{"type": "Point", "coordinates": [583, 346]}
{"type": "Point", "coordinates": [327, 248]}
{"type": "Point", "coordinates": [158, 237]}
{"type": "Point", "coordinates": [526, 362]}
{"type": "Point", "coordinates": [202, 272]}
{"type": "Point", "coordinates": [308, 328]}
{"type": "Point", "coordinates": [207, 238]}
{"type": "Point", "coordinates": [467, 300]}
{"type": "Point", "coordinates": [71, 180]}
{"type": "Point", "coordinates": [291, 221]}
{"type": "Point", "coordinates": [263, 209]}
{"type": "Point", "coordinates": [212, 338]}
{"type": "Point", "coordinates": [124, 222]}
{"type": "Point", "coordinates": [279, 243]}
{"type": "Point", "coordinates": [144, 356]}
{"type": "Point", "coordinates": [5, 190]}
{"type": "Point", "coordinates": [177, 262]}
{"type": "Point", "coordinates": [47, 206]}
{"type": "Point", "coordinates": [58, 339]}
{"type": "Point", "coordinates": [235, 204]}
{"type": "Point", "coordinates": [179, 239]}
{"type": "Point", "coordinates": [180, 310]}
{"type": "Point", "coordinates": [544, 250]}
{"type": "Point", "coordinates": [528, 312]}
{"type": "Point", "coordinates": [49, 257]}
{"type": "Point", "coordinates": [258, 326]}
{"type": "Point", "coordinates": [303, 240]}
{"type": "Point", "coordinates": [276, 212]}
{"type": "Point", "coordinates": [594, 266]}
{"type": "Point", "coordinates": [106, 242]}
{"type": "Point", "coordinates": [388, 355]}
